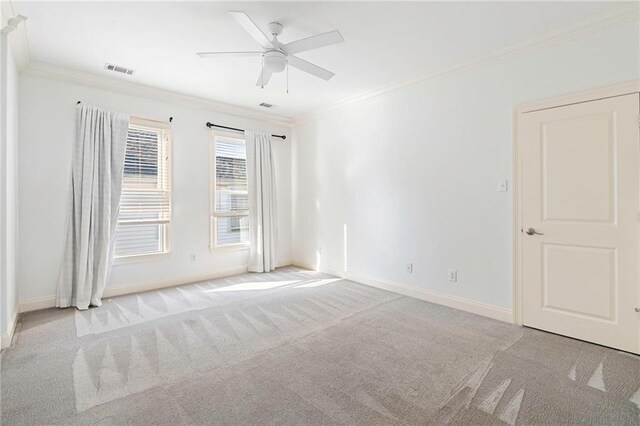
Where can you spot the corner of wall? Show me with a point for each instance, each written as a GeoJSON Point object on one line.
{"type": "Point", "coordinates": [8, 186]}
{"type": "Point", "coordinates": [6, 337]}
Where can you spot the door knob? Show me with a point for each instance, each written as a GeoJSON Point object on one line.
{"type": "Point", "coordinates": [531, 231]}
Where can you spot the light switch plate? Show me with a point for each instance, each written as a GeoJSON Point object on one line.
{"type": "Point", "coordinates": [503, 186]}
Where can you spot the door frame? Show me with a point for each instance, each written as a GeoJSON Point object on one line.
{"type": "Point", "coordinates": [626, 88]}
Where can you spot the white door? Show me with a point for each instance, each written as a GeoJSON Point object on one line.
{"type": "Point", "coordinates": [580, 214]}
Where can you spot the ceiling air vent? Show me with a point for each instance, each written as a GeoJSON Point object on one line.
{"type": "Point", "coordinates": [118, 68]}
{"type": "Point", "coordinates": [266, 105]}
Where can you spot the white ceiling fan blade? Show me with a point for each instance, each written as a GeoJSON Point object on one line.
{"type": "Point", "coordinates": [250, 27]}
{"type": "Point", "coordinates": [227, 54]}
{"type": "Point", "coordinates": [308, 67]}
{"type": "Point", "coordinates": [313, 42]}
{"type": "Point", "coordinates": [263, 78]}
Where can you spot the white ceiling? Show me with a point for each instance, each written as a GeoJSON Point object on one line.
{"type": "Point", "coordinates": [385, 42]}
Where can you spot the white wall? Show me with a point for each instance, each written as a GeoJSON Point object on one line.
{"type": "Point", "coordinates": [410, 176]}
{"type": "Point", "coordinates": [9, 182]}
{"type": "Point", "coordinates": [413, 174]}
{"type": "Point", "coordinates": [47, 126]}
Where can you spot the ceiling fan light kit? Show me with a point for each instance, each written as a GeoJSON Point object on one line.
{"type": "Point", "coordinates": [276, 57]}
{"type": "Point", "coordinates": [274, 61]}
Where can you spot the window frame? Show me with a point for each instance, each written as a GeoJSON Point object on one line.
{"type": "Point", "coordinates": [213, 213]}
{"type": "Point", "coordinates": [166, 233]}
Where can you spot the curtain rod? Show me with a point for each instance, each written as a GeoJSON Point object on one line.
{"type": "Point", "coordinates": [210, 125]}
{"type": "Point", "coordinates": [170, 118]}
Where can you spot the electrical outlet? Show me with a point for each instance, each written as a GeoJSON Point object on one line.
{"type": "Point", "coordinates": [503, 185]}
{"type": "Point", "coordinates": [193, 257]}
{"type": "Point", "coordinates": [453, 275]}
{"type": "Point", "coordinates": [409, 268]}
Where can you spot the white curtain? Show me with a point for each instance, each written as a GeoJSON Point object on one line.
{"type": "Point", "coordinates": [96, 185]}
{"type": "Point", "coordinates": [262, 202]}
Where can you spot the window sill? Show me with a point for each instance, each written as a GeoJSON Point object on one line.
{"type": "Point", "coordinates": [229, 247]}
{"type": "Point", "coordinates": [140, 258]}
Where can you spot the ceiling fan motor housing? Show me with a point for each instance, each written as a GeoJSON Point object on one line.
{"type": "Point", "coordinates": [275, 28]}
{"type": "Point", "coordinates": [275, 61]}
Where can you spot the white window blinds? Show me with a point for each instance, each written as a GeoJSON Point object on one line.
{"type": "Point", "coordinates": [229, 199]}
{"type": "Point", "coordinates": [145, 205]}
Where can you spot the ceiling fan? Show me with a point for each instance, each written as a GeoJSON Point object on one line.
{"type": "Point", "coordinates": [275, 55]}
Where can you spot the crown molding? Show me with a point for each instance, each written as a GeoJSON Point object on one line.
{"type": "Point", "coordinates": [71, 75]}
{"type": "Point", "coordinates": [595, 22]}
{"type": "Point", "coordinates": [18, 39]}
{"type": "Point", "coordinates": [613, 16]}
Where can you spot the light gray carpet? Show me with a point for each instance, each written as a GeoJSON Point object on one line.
{"type": "Point", "coordinates": [299, 347]}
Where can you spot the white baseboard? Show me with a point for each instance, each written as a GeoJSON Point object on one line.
{"type": "Point", "coordinates": [7, 337]}
{"type": "Point", "coordinates": [38, 303]}
{"type": "Point", "coordinates": [490, 311]}
{"type": "Point", "coordinates": [303, 264]}
{"type": "Point", "coordinates": [171, 282]}
{"type": "Point", "coordinates": [284, 263]}
{"type": "Point", "coordinates": [324, 269]}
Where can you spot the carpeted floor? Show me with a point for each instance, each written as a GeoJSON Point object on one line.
{"type": "Point", "coordinates": [299, 347]}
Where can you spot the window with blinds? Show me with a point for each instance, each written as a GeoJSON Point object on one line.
{"type": "Point", "coordinates": [229, 192]}
{"type": "Point", "coordinates": [145, 205]}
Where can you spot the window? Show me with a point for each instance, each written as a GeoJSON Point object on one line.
{"type": "Point", "coordinates": [229, 195]}
{"type": "Point", "coordinates": [145, 205]}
